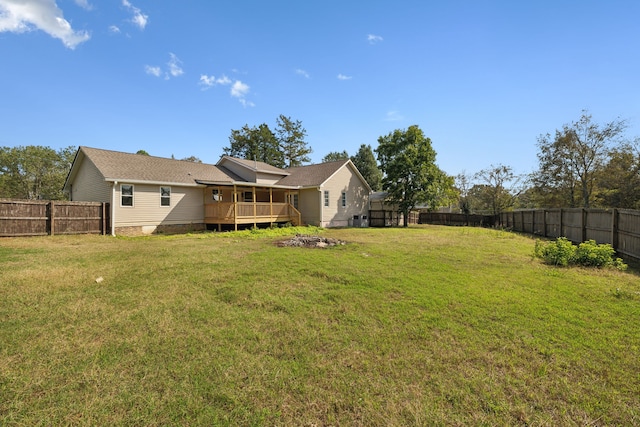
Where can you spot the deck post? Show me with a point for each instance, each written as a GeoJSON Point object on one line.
{"type": "Point", "coordinates": [255, 207]}
{"type": "Point", "coordinates": [271, 206]}
{"type": "Point", "coordinates": [235, 208]}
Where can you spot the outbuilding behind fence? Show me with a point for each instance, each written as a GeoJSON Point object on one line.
{"type": "Point", "coordinates": [48, 217]}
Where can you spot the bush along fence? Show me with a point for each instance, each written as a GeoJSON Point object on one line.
{"type": "Point", "coordinates": [618, 227]}
{"type": "Point", "coordinates": [40, 218]}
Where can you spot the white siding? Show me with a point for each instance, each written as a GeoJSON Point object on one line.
{"type": "Point", "coordinates": [89, 185]}
{"type": "Point", "coordinates": [187, 206]}
{"type": "Point", "coordinates": [344, 180]}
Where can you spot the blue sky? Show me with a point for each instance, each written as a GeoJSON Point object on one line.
{"type": "Point", "coordinates": [482, 79]}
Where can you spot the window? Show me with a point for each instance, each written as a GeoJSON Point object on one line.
{"type": "Point", "coordinates": [248, 197]}
{"type": "Point", "coordinates": [294, 200]}
{"type": "Point", "coordinates": [344, 199]}
{"type": "Point", "coordinates": [165, 196]}
{"type": "Point", "coordinates": [126, 195]}
{"type": "Point", "coordinates": [216, 195]}
{"type": "Point", "coordinates": [326, 198]}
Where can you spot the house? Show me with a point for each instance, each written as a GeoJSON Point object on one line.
{"type": "Point", "coordinates": [158, 195]}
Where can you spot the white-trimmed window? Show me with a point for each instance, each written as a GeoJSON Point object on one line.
{"type": "Point", "coordinates": [165, 196]}
{"type": "Point", "coordinates": [216, 195]}
{"type": "Point", "coordinates": [126, 195]}
{"type": "Point", "coordinates": [343, 199]}
{"type": "Point", "coordinates": [326, 198]}
{"type": "Point", "coordinates": [248, 197]}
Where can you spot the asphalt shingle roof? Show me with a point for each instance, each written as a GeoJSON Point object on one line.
{"type": "Point", "coordinates": [307, 176]}
{"type": "Point", "coordinates": [115, 165]}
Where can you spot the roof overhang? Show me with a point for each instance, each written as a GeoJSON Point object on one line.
{"type": "Point", "coordinates": [247, 184]}
{"type": "Point", "coordinates": [167, 183]}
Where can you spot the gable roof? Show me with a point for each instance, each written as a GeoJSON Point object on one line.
{"type": "Point", "coordinates": [141, 168]}
{"type": "Point", "coordinates": [119, 166]}
{"type": "Point", "coordinates": [316, 175]}
{"type": "Point", "coordinates": [253, 165]}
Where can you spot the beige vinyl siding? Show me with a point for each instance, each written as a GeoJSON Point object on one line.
{"type": "Point", "coordinates": [309, 206]}
{"type": "Point", "coordinates": [187, 206]}
{"type": "Point", "coordinates": [267, 178]}
{"type": "Point", "coordinates": [89, 185]}
{"type": "Point", "coordinates": [242, 172]}
{"type": "Point", "coordinates": [344, 180]}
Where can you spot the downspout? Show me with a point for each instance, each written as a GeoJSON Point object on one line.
{"type": "Point", "coordinates": [321, 196]}
{"type": "Point", "coordinates": [113, 208]}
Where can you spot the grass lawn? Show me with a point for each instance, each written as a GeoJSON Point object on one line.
{"type": "Point", "coordinates": [425, 326]}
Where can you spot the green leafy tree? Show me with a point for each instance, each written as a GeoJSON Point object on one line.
{"type": "Point", "coordinates": [365, 161]}
{"type": "Point", "coordinates": [411, 176]}
{"type": "Point", "coordinates": [193, 159]}
{"type": "Point", "coordinates": [34, 172]}
{"type": "Point", "coordinates": [334, 156]}
{"type": "Point", "coordinates": [143, 152]}
{"type": "Point", "coordinates": [619, 181]}
{"type": "Point", "coordinates": [291, 137]}
{"type": "Point", "coordinates": [256, 143]}
{"type": "Point", "coordinates": [497, 190]}
{"type": "Point", "coordinates": [570, 162]}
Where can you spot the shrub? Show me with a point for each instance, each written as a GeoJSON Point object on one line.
{"type": "Point", "coordinates": [589, 254]}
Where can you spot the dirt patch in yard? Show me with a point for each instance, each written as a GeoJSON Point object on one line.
{"type": "Point", "coordinates": [306, 241]}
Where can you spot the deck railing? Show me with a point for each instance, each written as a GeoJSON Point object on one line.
{"type": "Point", "coordinates": [246, 213]}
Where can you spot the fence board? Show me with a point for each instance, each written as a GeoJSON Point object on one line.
{"type": "Point", "coordinates": [38, 218]}
{"type": "Point", "coordinates": [618, 227]}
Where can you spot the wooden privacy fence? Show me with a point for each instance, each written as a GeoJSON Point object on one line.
{"type": "Point", "coordinates": [618, 227]}
{"type": "Point", "coordinates": [444, 218]}
{"type": "Point", "coordinates": [388, 218]}
{"type": "Point", "coordinates": [40, 218]}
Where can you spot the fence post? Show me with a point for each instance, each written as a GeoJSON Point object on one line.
{"type": "Point", "coordinates": [104, 219]}
{"type": "Point", "coordinates": [560, 234]}
{"type": "Point", "coordinates": [544, 223]}
{"type": "Point", "coordinates": [52, 217]}
{"type": "Point", "coordinates": [614, 229]}
{"type": "Point", "coordinates": [584, 225]}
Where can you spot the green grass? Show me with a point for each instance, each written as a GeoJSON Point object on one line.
{"type": "Point", "coordinates": [420, 326]}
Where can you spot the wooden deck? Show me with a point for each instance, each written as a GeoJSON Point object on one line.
{"type": "Point", "coordinates": [250, 213]}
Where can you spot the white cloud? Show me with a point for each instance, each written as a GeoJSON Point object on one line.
{"type": "Point", "coordinates": [373, 39]}
{"type": "Point", "coordinates": [241, 90]}
{"type": "Point", "coordinates": [84, 4]}
{"type": "Point", "coordinates": [393, 116]}
{"type": "Point", "coordinates": [114, 30]}
{"type": "Point", "coordinates": [303, 73]}
{"type": "Point", "coordinates": [343, 77]}
{"type": "Point", "coordinates": [139, 18]}
{"type": "Point", "coordinates": [20, 16]}
{"type": "Point", "coordinates": [154, 71]}
{"type": "Point", "coordinates": [174, 66]}
{"type": "Point", "coordinates": [211, 81]}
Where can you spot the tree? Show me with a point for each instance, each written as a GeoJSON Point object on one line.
{"type": "Point", "coordinates": [570, 162]}
{"type": "Point", "coordinates": [193, 159]}
{"type": "Point", "coordinates": [463, 184]}
{"type": "Point", "coordinates": [143, 152]}
{"type": "Point", "coordinates": [334, 156]}
{"type": "Point", "coordinates": [499, 187]}
{"type": "Point", "coordinates": [291, 136]}
{"type": "Point", "coordinates": [256, 143]}
{"type": "Point", "coordinates": [619, 181]}
{"type": "Point", "coordinates": [411, 176]}
{"type": "Point", "coordinates": [34, 172]}
{"type": "Point", "coordinates": [365, 161]}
